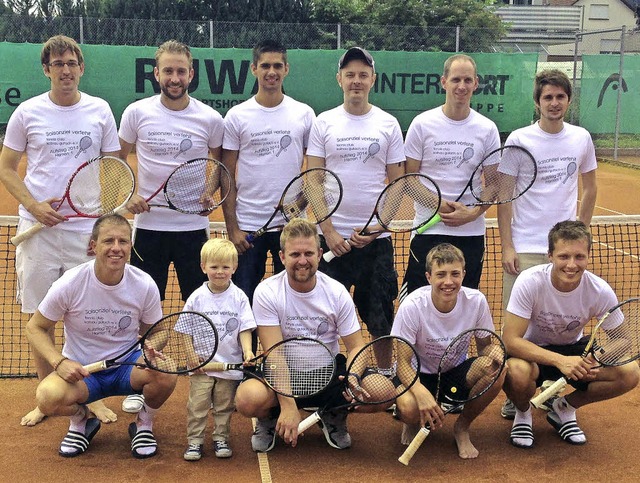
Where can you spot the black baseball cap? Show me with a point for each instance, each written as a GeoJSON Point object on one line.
{"type": "Point", "coordinates": [356, 53]}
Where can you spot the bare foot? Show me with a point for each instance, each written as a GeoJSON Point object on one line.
{"type": "Point", "coordinates": [102, 412]}
{"type": "Point", "coordinates": [466, 449]}
{"type": "Point", "coordinates": [33, 417]}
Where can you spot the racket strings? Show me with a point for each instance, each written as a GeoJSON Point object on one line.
{"type": "Point", "coordinates": [101, 186]}
{"type": "Point", "coordinates": [315, 195]}
{"type": "Point", "coordinates": [197, 187]}
{"type": "Point", "coordinates": [617, 339]}
{"type": "Point", "coordinates": [505, 175]}
{"type": "Point", "coordinates": [410, 197]}
{"type": "Point", "coordinates": [180, 342]}
{"type": "Point", "coordinates": [299, 367]}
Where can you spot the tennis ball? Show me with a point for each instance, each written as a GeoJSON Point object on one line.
{"type": "Point", "coordinates": [454, 390]}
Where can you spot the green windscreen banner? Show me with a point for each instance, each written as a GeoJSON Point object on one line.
{"type": "Point", "coordinates": [600, 86]}
{"type": "Point", "coordinates": [407, 82]}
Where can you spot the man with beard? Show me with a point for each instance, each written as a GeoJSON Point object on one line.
{"type": "Point", "coordinates": [58, 130]}
{"type": "Point", "coordinates": [167, 130]}
{"type": "Point", "coordinates": [294, 303]}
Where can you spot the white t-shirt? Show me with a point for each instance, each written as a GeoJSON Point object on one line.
{"type": "Point", "coordinates": [100, 321]}
{"type": "Point", "coordinates": [558, 318]}
{"type": "Point", "coordinates": [231, 314]}
{"type": "Point", "coordinates": [165, 139]}
{"type": "Point", "coordinates": [449, 151]}
{"type": "Point", "coordinates": [357, 149]}
{"type": "Point", "coordinates": [561, 159]}
{"type": "Point", "coordinates": [270, 142]}
{"type": "Point", "coordinates": [57, 140]}
{"type": "Point", "coordinates": [430, 331]}
{"type": "Point", "coordinates": [325, 313]}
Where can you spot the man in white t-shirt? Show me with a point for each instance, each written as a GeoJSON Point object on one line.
{"type": "Point", "coordinates": [167, 130]}
{"type": "Point", "coordinates": [265, 140]}
{"type": "Point", "coordinates": [548, 309]}
{"type": "Point", "coordinates": [91, 300]}
{"type": "Point", "coordinates": [430, 318]}
{"type": "Point", "coordinates": [447, 143]}
{"type": "Point", "coordinates": [363, 146]}
{"type": "Point", "coordinates": [58, 130]}
{"type": "Point", "coordinates": [293, 303]}
{"type": "Point", "coordinates": [563, 153]}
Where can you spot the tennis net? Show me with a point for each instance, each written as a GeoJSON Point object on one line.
{"type": "Point", "coordinates": [615, 257]}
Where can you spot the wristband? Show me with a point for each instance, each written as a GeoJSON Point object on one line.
{"type": "Point", "coordinates": [57, 364]}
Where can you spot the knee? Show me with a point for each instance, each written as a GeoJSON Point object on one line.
{"type": "Point", "coordinates": [49, 397]}
{"type": "Point", "coordinates": [249, 401]}
{"type": "Point", "coordinates": [519, 375]}
{"type": "Point", "coordinates": [630, 377]}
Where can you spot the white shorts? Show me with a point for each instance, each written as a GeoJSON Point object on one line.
{"type": "Point", "coordinates": [42, 259]}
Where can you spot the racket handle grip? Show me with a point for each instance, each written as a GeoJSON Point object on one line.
{"type": "Point", "coordinates": [555, 388]}
{"type": "Point", "coordinates": [308, 422]}
{"type": "Point", "coordinates": [25, 235]}
{"type": "Point", "coordinates": [433, 221]}
{"type": "Point", "coordinates": [96, 367]}
{"type": "Point", "coordinates": [414, 445]}
{"type": "Point", "coordinates": [330, 255]}
{"type": "Point", "coordinates": [122, 211]}
{"type": "Point", "coordinates": [216, 366]}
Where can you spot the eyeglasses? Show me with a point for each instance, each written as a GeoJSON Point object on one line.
{"type": "Point", "coordinates": [58, 64]}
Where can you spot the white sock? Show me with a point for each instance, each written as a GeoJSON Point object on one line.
{"type": "Point", "coordinates": [525, 418]}
{"type": "Point", "coordinates": [564, 410]}
{"type": "Point", "coordinates": [145, 418]}
{"type": "Point", "coordinates": [78, 422]}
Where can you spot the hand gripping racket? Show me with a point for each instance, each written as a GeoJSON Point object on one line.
{"type": "Point", "coordinates": [101, 185]}
{"type": "Point", "coordinates": [296, 367]}
{"type": "Point", "coordinates": [470, 365]}
{"type": "Point", "coordinates": [502, 176]}
{"type": "Point", "coordinates": [380, 372]}
{"type": "Point", "coordinates": [176, 344]}
{"type": "Point", "coordinates": [413, 198]}
{"type": "Point", "coordinates": [196, 187]}
{"type": "Point", "coordinates": [613, 342]}
{"type": "Point", "coordinates": [313, 194]}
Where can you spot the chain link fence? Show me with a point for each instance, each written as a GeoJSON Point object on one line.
{"type": "Point", "coordinates": [109, 31]}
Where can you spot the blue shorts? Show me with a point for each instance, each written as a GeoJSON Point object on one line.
{"type": "Point", "coordinates": [112, 382]}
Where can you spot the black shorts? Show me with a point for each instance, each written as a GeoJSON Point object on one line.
{"type": "Point", "coordinates": [371, 272]}
{"type": "Point", "coordinates": [154, 251]}
{"type": "Point", "coordinates": [451, 391]}
{"type": "Point", "coordinates": [471, 246]}
{"type": "Point", "coordinates": [552, 373]}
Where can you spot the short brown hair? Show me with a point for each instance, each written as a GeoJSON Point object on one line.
{"type": "Point", "coordinates": [462, 57]}
{"type": "Point", "coordinates": [442, 254]}
{"type": "Point", "coordinates": [569, 230]}
{"type": "Point", "coordinates": [58, 45]}
{"type": "Point", "coordinates": [299, 228]}
{"type": "Point", "coordinates": [110, 219]}
{"type": "Point", "coordinates": [551, 77]}
{"type": "Point", "coordinates": [174, 47]}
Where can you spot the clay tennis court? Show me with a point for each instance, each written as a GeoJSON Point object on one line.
{"type": "Point", "coordinates": [612, 428]}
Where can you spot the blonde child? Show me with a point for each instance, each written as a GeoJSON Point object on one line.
{"type": "Point", "coordinates": [229, 308]}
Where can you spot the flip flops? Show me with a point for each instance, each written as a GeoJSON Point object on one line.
{"type": "Point", "coordinates": [79, 441]}
{"type": "Point", "coordinates": [568, 431]}
{"type": "Point", "coordinates": [142, 439]}
{"type": "Point", "coordinates": [522, 431]}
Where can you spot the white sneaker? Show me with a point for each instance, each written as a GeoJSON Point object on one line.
{"type": "Point", "coordinates": [133, 403]}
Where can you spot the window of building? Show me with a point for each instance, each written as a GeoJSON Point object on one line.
{"type": "Point", "coordinates": [599, 11]}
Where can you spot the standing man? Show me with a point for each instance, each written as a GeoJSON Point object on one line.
{"type": "Point", "coordinates": [168, 129]}
{"type": "Point", "coordinates": [447, 143]}
{"type": "Point", "coordinates": [563, 153]}
{"type": "Point", "coordinates": [58, 130]}
{"type": "Point", "coordinates": [544, 342]}
{"type": "Point", "coordinates": [362, 144]}
{"type": "Point", "coordinates": [265, 139]}
{"type": "Point", "coordinates": [295, 303]}
{"type": "Point", "coordinates": [91, 299]}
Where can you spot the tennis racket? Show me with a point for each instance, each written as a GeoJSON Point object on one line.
{"type": "Point", "coordinates": [196, 187]}
{"type": "Point", "coordinates": [101, 185]}
{"type": "Point", "coordinates": [469, 366]}
{"type": "Point", "coordinates": [413, 197]}
{"type": "Point", "coordinates": [379, 372]}
{"type": "Point", "coordinates": [313, 194]}
{"type": "Point", "coordinates": [296, 367]}
{"type": "Point", "coordinates": [502, 176]}
{"type": "Point", "coordinates": [613, 342]}
{"type": "Point", "coordinates": [176, 344]}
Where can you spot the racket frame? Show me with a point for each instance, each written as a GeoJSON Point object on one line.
{"type": "Point", "coordinates": [25, 235]}
{"type": "Point", "coordinates": [254, 367]}
{"type": "Point", "coordinates": [113, 362]}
